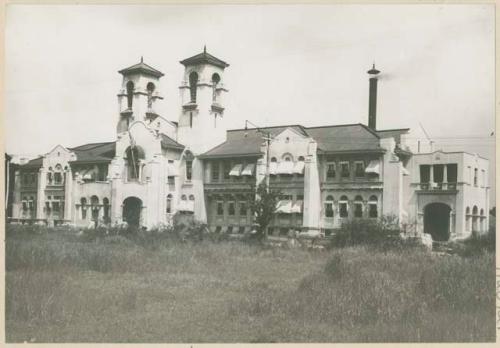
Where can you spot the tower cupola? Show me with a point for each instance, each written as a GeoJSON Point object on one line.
{"type": "Point", "coordinates": [138, 94]}
{"type": "Point", "coordinates": [202, 119]}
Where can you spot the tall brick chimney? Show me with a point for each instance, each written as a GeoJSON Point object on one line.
{"type": "Point", "coordinates": [372, 102]}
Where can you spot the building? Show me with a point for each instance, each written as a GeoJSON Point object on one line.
{"type": "Point", "coordinates": [327, 175]}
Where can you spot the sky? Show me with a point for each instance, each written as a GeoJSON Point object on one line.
{"type": "Point", "coordinates": [289, 64]}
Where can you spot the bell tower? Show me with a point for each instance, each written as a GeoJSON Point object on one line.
{"type": "Point", "coordinates": [202, 123]}
{"type": "Point", "coordinates": [138, 95]}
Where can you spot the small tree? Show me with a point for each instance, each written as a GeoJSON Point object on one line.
{"type": "Point", "coordinates": [264, 208]}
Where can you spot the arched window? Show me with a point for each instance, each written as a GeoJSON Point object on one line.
{"type": "Point", "coordinates": [329, 206]}
{"type": "Point", "coordinates": [301, 158]}
{"type": "Point", "coordinates": [287, 157]}
{"type": "Point", "coordinates": [474, 219]}
{"type": "Point", "coordinates": [193, 85]}
{"type": "Point", "coordinates": [150, 88]}
{"type": "Point", "coordinates": [50, 176]}
{"type": "Point", "coordinates": [215, 82]}
{"type": "Point", "coordinates": [184, 197]}
{"type": "Point", "coordinates": [134, 156]}
{"type": "Point", "coordinates": [343, 207]}
{"type": "Point", "coordinates": [274, 159]}
{"type": "Point", "coordinates": [58, 177]}
{"type": "Point", "coordinates": [191, 197]}
{"type": "Point", "coordinates": [481, 222]}
{"type": "Point", "coordinates": [372, 207]}
{"type": "Point", "coordinates": [358, 207]}
{"type": "Point", "coordinates": [105, 204]}
{"type": "Point", "coordinates": [83, 203]}
{"type": "Point", "coordinates": [467, 219]}
{"type": "Point", "coordinates": [94, 203]}
{"type": "Point", "coordinates": [130, 93]}
{"type": "Point", "coordinates": [169, 203]}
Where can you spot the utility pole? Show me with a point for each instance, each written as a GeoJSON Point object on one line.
{"type": "Point", "coordinates": [267, 137]}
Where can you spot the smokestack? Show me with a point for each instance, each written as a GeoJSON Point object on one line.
{"type": "Point", "coordinates": [372, 102]}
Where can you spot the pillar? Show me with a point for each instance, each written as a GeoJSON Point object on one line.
{"type": "Point", "coordinates": [40, 194]}
{"type": "Point", "coordinates": [312, 194]}
{"type": "Point", "coordinates": [68, 195]}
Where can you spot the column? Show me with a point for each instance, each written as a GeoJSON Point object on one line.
{"type": "Point", "coordinates": [445, 176]}
{"type": "Point", "coordinates": [40, 194]}
{"type": "Point", "coordinates": [431, 174]}
{"type": "Point", "coordinates": [68, 195]}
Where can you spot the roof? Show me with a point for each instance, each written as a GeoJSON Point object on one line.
{"type": "Point", "coordinates": [36, 162]}
{"type": "Point", "coordinates": [204, 58]}
{"type": "Point", "coordinates": [330, 139]}
{"type": "Point", "coordinates": [94, 152]}
{"type": "Point", "coordinates": [166, 141]}
{"type": "Point", "coordinates": [141, 68]}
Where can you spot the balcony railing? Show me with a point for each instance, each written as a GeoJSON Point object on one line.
{"type": "Point", "coordinates": [438, 186]}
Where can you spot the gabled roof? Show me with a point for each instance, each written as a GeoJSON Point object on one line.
{"type": "Point", "coordinates": [166, 142]}
{"type": "Point", "coordinates": [331, 139]}
{"type": "Point", "coordinates": [204, 58]}
{"type": "Point", "coordinates": [141, 68]}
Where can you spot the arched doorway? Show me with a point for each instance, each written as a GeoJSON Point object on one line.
{"type": "Point", "coordinates": [437, 221]}
{"type": "Point", "coordinates": [132, 207]}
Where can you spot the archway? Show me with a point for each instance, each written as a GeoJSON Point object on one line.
{"type": "Point", "coordinates": [132, 207]}
{"type": "Point", "coordinates": [437, 221]}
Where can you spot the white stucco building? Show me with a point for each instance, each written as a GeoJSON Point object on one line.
{"type": "Point", "coordinates": [191, 163]}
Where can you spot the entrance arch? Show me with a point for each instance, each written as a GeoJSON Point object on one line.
{"type": "Point", "coordinates": [437, 221]}
{"type": "Point", "coordinates": [132, 207]}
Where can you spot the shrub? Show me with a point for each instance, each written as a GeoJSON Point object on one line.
{"type": "Point", "coordinates": [367, 231]}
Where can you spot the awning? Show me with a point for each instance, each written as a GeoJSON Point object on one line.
{"type": "Point", "coordinates": [297, 207]}
{"type": "Point", "coordinates": [249, 169]}
{"type": "Point", "coordinates": [272, 168]}
{"type": "Point", "coordinates": [236, 171]}
{"type": "Point", "coordinates": [299, 167]}
{"type": "Point", "coordinates": [172, 169]}
{"type": "Point", "coordinates": [373, 167]}
{"type": "Point", "coordinates": [284, 207]}
{"type": "Point", "coordinates": [405, 171]}
{"type": "Point", "coordinates": [285, 167]}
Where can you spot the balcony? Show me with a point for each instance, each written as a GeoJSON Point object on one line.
{"type": "Point", "coordinates": [437, 187]}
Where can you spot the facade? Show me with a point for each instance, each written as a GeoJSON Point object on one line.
{"type": "Point", "coordinates": [195, 166]}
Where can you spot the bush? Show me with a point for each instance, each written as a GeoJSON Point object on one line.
{"type": "Point", "coordinates": [368, 231]}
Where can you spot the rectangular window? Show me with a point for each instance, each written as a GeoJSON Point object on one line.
{"type": "Point", "coordinates": [359, 169]}
{"type": "Point", "coordinates": [330, 171]}
{"type": "Point", "coordinates": [483, 178]}
{"type": "Point", "coordinates": [227, 169]}
{"type": "Point", "coordinates": [372, 210]}
{"type": "Point", "coordinates": [475, 176]}
{"type": "Point", "coordinates": [243, 208]}
{"type": "Point", "coordinates": [189, 170]}
{"type": "Point", "coordinates": [438, 173]}
{"type": "Point", "coordinates": [55, 206]}
{"type": "Point", "coordinates": [169, 206]}
{"type": "Point", "coordinates": [171, 180]}
{"type": "Point", "coordinates": [343, 209]}
{"type": "Point", "coordinates": [425, 173]}
{"type": "Point", "coordinates": [231, 210]}
{"type": "Point", "coordinates": [215, 171]}
{"type": "Point", "coordinates": [220, 208]}
{"type": "Point", "coordinates": [451, 170]}
{"type": "Point", "coordinates": [344, 169]}
{"type": "Point", "coordinates": [329, 210]}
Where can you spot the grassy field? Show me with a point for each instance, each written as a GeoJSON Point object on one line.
{"type": "Point", "coordinates": [61, 287]}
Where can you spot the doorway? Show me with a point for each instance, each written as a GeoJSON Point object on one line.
{"type": "Point", "coordinates": [437, 221]}
{"type": "Point", "coordinates": [132, 207]}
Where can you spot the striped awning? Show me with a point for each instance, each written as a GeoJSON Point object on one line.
{"type": "Point", "coordinates": [236, 171]}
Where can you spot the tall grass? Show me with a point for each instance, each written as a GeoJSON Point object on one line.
{"type": "Point", "coordinates": [65, 287]}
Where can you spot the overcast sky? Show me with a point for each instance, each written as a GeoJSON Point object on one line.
{"type": "Point", "coordinates": [289, 64]}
